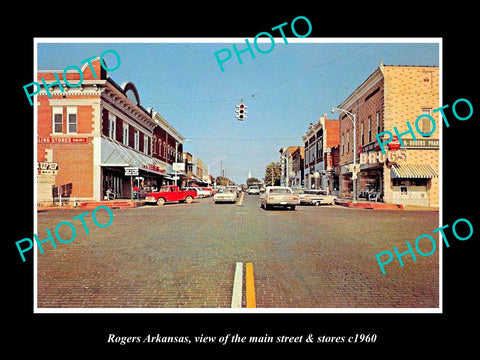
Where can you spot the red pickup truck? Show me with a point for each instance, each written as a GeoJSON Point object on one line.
{"type": "Point", "coordinates": [170, 193]}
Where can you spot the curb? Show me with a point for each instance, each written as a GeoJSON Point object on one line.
{"type": "Point", "coordinates": [383, 206]}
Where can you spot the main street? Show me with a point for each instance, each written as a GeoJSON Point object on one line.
{"type": "Point", "coordinates": [184, 256]}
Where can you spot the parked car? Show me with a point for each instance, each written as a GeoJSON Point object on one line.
{"type": "Point", "coordinates": [253, 190]}
{"type": "Point", "coordinates": [316, 197]}
{"type": "Point", "coordinates": [208, 190]}
{"type": "Point", "coordinates": [225, 195]}
{"type": "Point", "coordinates": [200, 192]}
{"type": "Point", "coordinates": [278, 196]}
{"type": "Point", "coordinates": [170, 193]}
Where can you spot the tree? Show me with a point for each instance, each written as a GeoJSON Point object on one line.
{"type": "Point", "coordinates": [253, 181]}
{"type": "Point", "coordinates": [272, 174]}
{"type": "Point", "coordinates": [223, 181]}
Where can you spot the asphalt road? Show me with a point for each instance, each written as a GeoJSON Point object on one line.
{"type": "Point", "coordinates": [184, 256]}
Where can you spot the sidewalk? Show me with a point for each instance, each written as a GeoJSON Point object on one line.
{"type": "Point", "coordinates": [372, 205]}
{"type": "Point", "coordinates": [112, 204]}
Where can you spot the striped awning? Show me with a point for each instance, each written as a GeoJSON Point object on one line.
{"type": "Point", "coordinates": [417, 171]}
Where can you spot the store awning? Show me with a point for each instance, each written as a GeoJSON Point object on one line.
{"type": "Point", "coordinates": [115, 155]}
{"type": "Point", "coordinates": [416, 171]}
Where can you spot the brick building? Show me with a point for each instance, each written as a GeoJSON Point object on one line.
{"type": "Point", "coordinates": [319, 140]}
{"type": "Point", "coordinates": [289, 165]}
{"type": "Point", "coordinates": [389, 97]}
{"type": "Point", "coordinates": [95, 130]}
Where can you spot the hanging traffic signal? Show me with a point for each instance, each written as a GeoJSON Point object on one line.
{"type": "Point", "coordinates": [241, 111]}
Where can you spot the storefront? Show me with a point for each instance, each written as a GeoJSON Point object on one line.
{"type": "Point", "coordinates": [115, 158]}
{"type": "Point", "coordinates": [411, 183]}
{"type": "Point", "coordinates": [397, 177]}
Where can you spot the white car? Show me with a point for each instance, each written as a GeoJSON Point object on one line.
{"type": "Point", "coordinates": [279, 196]}
{"type": "Point", "coordinates": [316, 197]}
{"type": "Point", "coordinates": [225, 195]}
{"type": "Point", "coordinates": [207, 191]}
{"type": "Point", "coordinates": [200, 193]}
{"type": "Point", "coordinates": [253, 190]}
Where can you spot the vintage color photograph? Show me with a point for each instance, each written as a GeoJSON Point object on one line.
{"type": "Point", "coordinates": [266, 174]}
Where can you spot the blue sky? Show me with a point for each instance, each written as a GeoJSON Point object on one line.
{"type": "Point", "coordinates": [284, 90]}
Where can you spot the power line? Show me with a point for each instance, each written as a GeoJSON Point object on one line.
{"type": "Point", "coordinates": [252, 96]}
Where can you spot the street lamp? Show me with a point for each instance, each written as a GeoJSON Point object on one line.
{"type": "Point", "coordinates": [355, 170]}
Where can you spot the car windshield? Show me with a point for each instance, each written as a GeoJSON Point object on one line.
{"type": "Point", "coordinates": [280, 191]}
{"type": "Point", "coordinates": [225, 191]}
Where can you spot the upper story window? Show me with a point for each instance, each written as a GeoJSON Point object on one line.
{"type": "Point", "coordinates": [145, 144]}
{"type": "Point", "coordinates": [125, 133]}
{"type": "Point", "coordinates": [378, 123]}
{"type": "Point", "coordinates": [72, 119]}
{"type": "Point", "coordinates": [369, 129]}
{"type": "Point", "coordinates": [425, 123]}
{"type": "Point", "coordinates": [348, 142]}
{"type": "Point", "coordinates": [136, 140]}
{"type": "Point", "coordinates": [112, 126]}
{"type": "Point", "coordinates": [57, 120]}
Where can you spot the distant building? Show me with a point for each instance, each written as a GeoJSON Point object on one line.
{"type": "Point", "coordinates": [319, 140]}
{"type": "Point", "coordinates": [286, 165]}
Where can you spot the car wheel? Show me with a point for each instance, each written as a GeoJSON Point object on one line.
{"type": "Point", "coordinates": [268, 207]}
{"type": "Point", "coordinates": [188, 199]}
{"type": "Point", "coordinates": [160, 201]}
{"type": "Point", "coordinates": [292, 207]}
{"type": "Point", "coordinates": [317, 203]}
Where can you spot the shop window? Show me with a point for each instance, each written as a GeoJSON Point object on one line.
{"type": "Point", "coordinates": [57, 120]}
{"type": "Point", "coordinates": [72, 119]}
{"type": "Point", "coordinates": [410, 182]}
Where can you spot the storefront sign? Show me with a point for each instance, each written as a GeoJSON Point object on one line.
{"type": "Point", "coordinates": [178, 166]}
{"type": "Point", "coordinates": [153, 167]}
{"type": "Point", "coordinates": [421, 144]}
{"type": "Point", "coordinates": [374, 157]}
{"type": "Point", "coordinates": [62, 140]}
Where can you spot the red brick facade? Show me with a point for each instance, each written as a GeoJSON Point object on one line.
{"type": "Point", "coordinates": [95, 130]}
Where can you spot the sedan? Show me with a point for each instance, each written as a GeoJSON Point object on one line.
{"type": "Point", "coordinates": [225, 195]}
{"type": "Point", "coordinates": [278, 196]}
{"type": "Point", "coordinates": [316, 197]}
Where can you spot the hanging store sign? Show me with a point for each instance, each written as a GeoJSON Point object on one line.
{"type": "Point", "coordinates": [374, 157]}
{"type": "Point", "coordinates": [131, 171]}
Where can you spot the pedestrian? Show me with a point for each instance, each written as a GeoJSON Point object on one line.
{"type": "Point", "coordinates": [136, 190]}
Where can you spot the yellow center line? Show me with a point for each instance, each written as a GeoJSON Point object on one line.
{"type": "Point", "coordinates": [250, 286]}
{"type": "Point", "coordinates": [241, 200]}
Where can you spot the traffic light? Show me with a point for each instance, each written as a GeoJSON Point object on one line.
{"type": "Point", "coordinates": [241, 111]}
